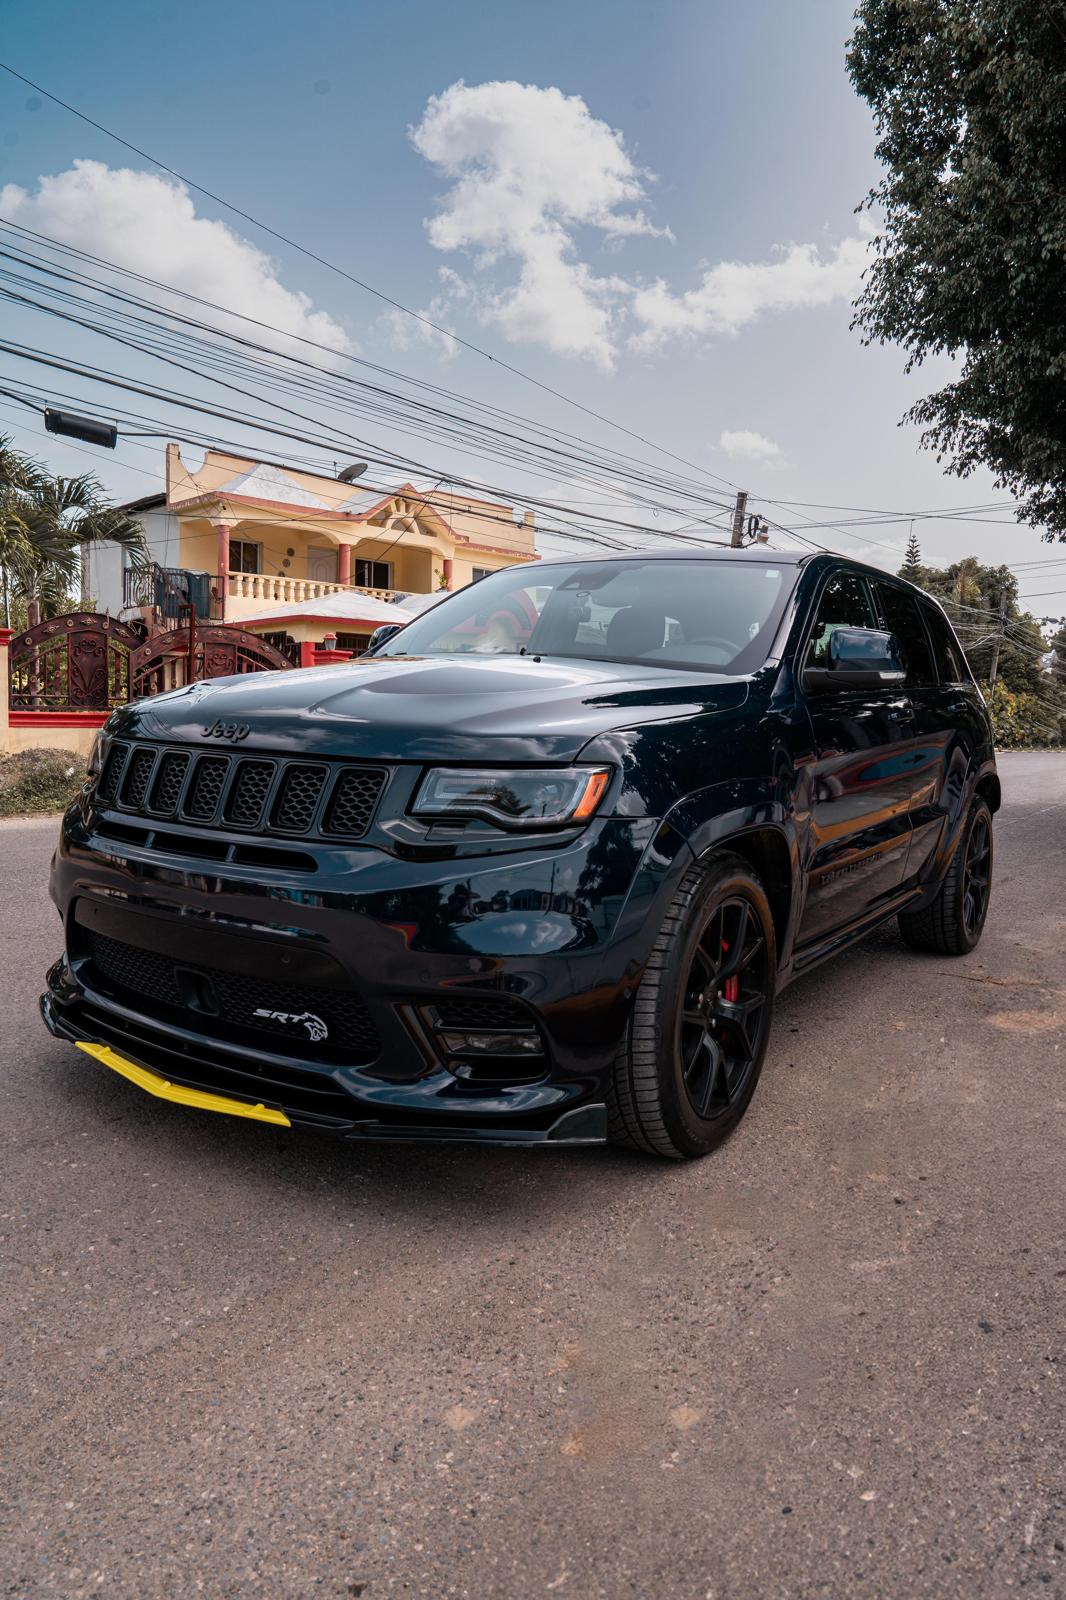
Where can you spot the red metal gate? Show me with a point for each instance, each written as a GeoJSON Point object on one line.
{"type": "Point", "coordinates": [89, 662]}
{"type": "Point", "coordinates": [218, 651]}
{"type": "Point", "coordinates": [74, 663]}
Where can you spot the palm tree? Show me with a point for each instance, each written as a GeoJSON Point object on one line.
{"type": "Point", "coordinates": [18, 475]}
{"type": "Point", "coordinates": [45, 522]}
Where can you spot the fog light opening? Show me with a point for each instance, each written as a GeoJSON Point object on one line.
{"type": "Point", "coordinates": [496, 1051]}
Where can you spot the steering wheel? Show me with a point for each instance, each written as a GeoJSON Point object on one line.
{"type": "Point", "coordinates": [728, 645]}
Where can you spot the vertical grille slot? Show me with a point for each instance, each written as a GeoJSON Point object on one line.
{"type": "Point", "coordinates": [135, 785]}
{"type": "Point", "coordinates": [352, 804]}
{"type": "Point", "coordinates": [248, 792]}
{"type": "Point", "coordinates": [107, 788]}
{"type": "Point", "coordinates": [168, 782]}
{"type": "Point", "coordinates": [298, 797]}
{"type": "Point", "coordinates": [206, 788]}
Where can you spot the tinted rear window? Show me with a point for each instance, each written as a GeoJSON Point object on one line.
{"type": "Point", "coordinates": [903, 618]}
{"type": "Point", "coordinates": [950, 661]}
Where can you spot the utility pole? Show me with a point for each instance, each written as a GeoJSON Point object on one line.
{"type": "Point", "coordinates": [737, 540]}
{"type": "Point", "coordinates": [997, 641]}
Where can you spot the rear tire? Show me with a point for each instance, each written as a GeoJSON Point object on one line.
{"type": "Point", "coordinates": [698, 1032]}
{"type": "Point", "coordinates": [953, 923]}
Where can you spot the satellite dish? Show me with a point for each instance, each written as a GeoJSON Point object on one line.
{"type": "Point", "coordinates": [352, 472]}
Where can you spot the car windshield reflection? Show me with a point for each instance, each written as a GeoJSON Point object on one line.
{"type": "Point", "coordinates": [711, 615]}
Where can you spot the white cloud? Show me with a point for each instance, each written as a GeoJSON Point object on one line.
{"type": "Point", "coordinates": [433, 330]}
{"type": "Point", "coordinates": [734, 293]}
{"type": "Point", "coordinates": [529, 167]}
{"type": "Point", "coordinates": [743, 444]}
{"type": "Point", "coordinates": [149, 224]}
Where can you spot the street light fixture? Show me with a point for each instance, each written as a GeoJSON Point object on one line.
{"type": "Point", "coordinates": [87, 429]}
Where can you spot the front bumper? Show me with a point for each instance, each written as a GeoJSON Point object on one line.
{"type": "Point", "coordinates": [559, 935]}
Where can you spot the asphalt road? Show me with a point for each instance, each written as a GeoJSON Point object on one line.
{"type": "Point", "coordinates": [827, 1361]}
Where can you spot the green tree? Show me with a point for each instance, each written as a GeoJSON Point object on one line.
{"type": "Point", "coordinates": [982, 603]}
{"type": "Point", "coordinates": [45, 522]}
{"type": "Point", "coordinates": [969, 104]}
{"type": "Point", "coordinates": [912, 561]}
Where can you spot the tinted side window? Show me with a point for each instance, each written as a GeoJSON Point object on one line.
{"type": "Point", "coordinates": [950, 662]}
{"type": "Point", "coordinates": [845, 604]}
{"type": "Point", "coordinates": [903, 618]}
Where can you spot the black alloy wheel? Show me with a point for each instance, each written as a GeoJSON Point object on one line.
{"type": "Point", "coordinates": [952, 923]}
{"type": "Point", "coordinates": [977, 875]}
{"type": "Point", "coordinates": [698, 1031]}
{"type": "Point", "coordinates": [720, 1024]}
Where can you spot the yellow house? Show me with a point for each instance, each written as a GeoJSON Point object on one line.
{"type": "Point", "coordinates": [269, 534]}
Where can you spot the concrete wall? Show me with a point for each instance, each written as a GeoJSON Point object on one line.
{"type": "Point", "coordinates": [107, 562]}
{"type": "Point", "coordinates": [56, 734]}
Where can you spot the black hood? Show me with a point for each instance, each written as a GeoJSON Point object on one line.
{"type": "Point", "coordinates": [513, 708]}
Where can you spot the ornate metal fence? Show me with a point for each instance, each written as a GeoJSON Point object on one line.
{"type": "Point", "coordinates": [163, 662]}
{"type": "Point", "coordinates": [74, 663]}
{"type": "Point", "coordinates": [89, 662]}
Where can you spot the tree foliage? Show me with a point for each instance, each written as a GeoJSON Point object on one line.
{"type": "Point", "coordinates": [44, 522]}
{"type": "Point", "coordinates": [912, 561]}
{"type": "Point", "coordinates": [969, 103]}
{"type": "Point", "coordinates": [1028, 704]}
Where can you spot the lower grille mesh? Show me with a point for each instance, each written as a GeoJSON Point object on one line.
{"type": "Point", "coordinates": [235, 997]}
{"type": "Point", "coordinates": [473, 1011]}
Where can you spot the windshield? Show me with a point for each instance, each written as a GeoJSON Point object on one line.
{"type": "Point", "coordinates": [716, 615]}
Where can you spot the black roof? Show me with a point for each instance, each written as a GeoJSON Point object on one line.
{"type": "Point", "coordinates": [777, 558]}
{"type": "Point", "coordinates": [148, 503]}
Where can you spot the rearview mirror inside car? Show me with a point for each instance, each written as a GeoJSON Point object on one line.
{"type": "Point", "coordinates": [380, 635]}
{"type": "Point", "coordinates": [857, 658]}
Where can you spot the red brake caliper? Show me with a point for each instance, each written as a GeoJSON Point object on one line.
{"type": "Point", "coordinates": [731, 986]}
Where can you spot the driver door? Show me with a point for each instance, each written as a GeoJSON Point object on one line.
{"type": "Point", "coordinates": [861, 782]}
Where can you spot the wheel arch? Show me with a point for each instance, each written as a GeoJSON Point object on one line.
{"type": "Point", "coordinates": [988, 787]}
{"type": "Point", "coordinates": [766, 850]}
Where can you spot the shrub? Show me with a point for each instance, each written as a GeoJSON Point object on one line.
{"type": "Point", "coordinates": [39, 780]}
{"type": "Point", "coordinates": [1022, 722]}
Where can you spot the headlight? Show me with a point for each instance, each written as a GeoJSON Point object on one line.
{"type": "Point", "coordinates": [517, 798]}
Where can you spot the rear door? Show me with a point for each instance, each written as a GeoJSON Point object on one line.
{"type": "Point", "coordinates": [860, 794]}
{"type": "Point", "coordinates": [901, 613]}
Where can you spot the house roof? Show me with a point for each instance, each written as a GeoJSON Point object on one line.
{"type": "Point", "coordinates": [149, 502]}
{"type": "Point", "coordinates": [348, 605]}
{"type": "Point", "coordinates": [265, 482]}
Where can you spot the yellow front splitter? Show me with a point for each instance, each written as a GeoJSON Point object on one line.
{"type": "Point", "coordinates": [153, 1083]}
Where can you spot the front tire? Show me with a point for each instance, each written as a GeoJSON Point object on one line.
{"type": "Point", "coordinates": [953, 923]}
{"type": "Point", "coordinates": [697, 1036]}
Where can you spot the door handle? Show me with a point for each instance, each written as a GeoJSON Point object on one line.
{"type": "Point", "coordinates": [901, 714]}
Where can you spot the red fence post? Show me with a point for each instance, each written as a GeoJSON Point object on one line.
{"type": "Point", "coordinates": [5, 689]}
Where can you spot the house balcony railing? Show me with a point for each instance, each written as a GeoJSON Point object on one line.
{"type": "Point", "coordinates": [167, 590]}
{"type": "Point", "coordinates": [281, 589]}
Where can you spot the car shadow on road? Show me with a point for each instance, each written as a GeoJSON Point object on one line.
{"type": "Point", "coordinates": [419, 1178]}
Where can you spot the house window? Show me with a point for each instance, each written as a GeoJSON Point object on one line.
{"type": "Point", "coordinates": [358, 643]}
{"type": "Point", "coordinates": [244, 555]}
{"type": "Point", "coordinates": [373, 574]}
{"type": "Point", "coordinates": [480, 572]}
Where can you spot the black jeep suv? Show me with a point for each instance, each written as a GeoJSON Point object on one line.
{"type": "Point", "coordinates": [534, 870]}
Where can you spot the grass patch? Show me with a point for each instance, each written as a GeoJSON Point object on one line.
{"type": "Point", "coordinates": [39, 780]}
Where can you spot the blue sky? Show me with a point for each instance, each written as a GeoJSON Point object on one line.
{"type": "Point", "coordinates": [742, 112]}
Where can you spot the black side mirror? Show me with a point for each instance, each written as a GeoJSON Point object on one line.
{"type": "Point", "coordinates": [380, 635]}
{"type": "Point", "coordinates": [857, 658]}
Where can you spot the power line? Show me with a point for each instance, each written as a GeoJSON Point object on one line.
{"type": "Point", "coordinates": [502, 445]}
{"type": "Point", "coordinates": [343, 273]}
